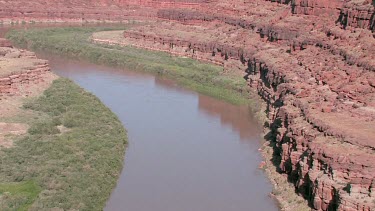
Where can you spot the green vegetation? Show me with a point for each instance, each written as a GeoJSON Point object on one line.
{"type": "Point", "coordinates": [74, 42]}
{"type": "Point", "coordinates": [70, 158]}
{"type": "Point", "coordinates": [19, 195]}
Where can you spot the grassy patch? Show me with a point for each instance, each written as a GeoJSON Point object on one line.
{"type": "Point", "coordinates": [18, 196]}
{"type": "Point", "coordinates": [74, 42]}
{"type": "Point", "coordinates": [73, 170]}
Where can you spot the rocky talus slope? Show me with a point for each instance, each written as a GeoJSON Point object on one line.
{"type": "Point", "coordinates": [311, 61]}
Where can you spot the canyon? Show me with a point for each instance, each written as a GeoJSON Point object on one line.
{"type": "Point", "coordinates": [311, 61]}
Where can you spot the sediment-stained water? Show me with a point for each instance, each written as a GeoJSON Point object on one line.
{"type": "Point", "coordinates": [187, 152]}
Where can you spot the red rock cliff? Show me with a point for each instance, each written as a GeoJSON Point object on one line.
{"type": "Point", "coordinates": [19, 68]}
{"type": "Point", "coordinates": [86, 10]}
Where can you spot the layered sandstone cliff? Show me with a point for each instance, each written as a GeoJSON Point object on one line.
{"type": "Point", "coordinates": [19, 69]}
{"type": "Point", "coordinates": [17, 11]}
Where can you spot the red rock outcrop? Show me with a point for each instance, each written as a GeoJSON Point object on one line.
{"type": "Point", "coordinates": [13, 11]}
{"type": "Point", "coordinates": [358, 15]}
{"type": "Point", "coordinates": [17, 68]}
{"type": "Point", "coordinates": [323, 134]}
{"type": "Point", "coordinates": [317, 7]}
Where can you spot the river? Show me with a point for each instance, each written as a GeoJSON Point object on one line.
{"type": "Point", "coordinates": [187, 151]}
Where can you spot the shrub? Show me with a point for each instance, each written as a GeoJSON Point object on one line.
{"type": "Point", "coordinates": [43, 128]}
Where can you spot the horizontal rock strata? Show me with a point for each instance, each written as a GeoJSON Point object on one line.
{"type": "Point", "coordinates": [19, 68]}
{"type": "Point", "coordinates": [18, 11]}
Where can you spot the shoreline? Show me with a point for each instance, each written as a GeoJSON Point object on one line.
{"type": "Point", "coordinates": [281, 187]}
{"type": "Point", "coordinates": [206, 78]}
{"type": "Point", "coordinates": [49, 157]}
{"type": "Point", "coordinates": [281, 192]}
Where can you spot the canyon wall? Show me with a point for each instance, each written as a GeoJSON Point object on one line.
{"type": "Point", "coordinates": [21, 11]}
{"type": "Point", "coordinates": [348, 13]}
{"type": "Point", "coordinates": [19, 69]}
{"type": "Point", "coordinates": [311, 61]}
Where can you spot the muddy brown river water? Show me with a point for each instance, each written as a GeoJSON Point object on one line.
{"type": "Point", "coordinates": [187, 152]}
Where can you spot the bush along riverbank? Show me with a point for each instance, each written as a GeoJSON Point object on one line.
{"type": "Point", "coordinates": [74, 42]}
{"type": "Point", "coordinates": [70, 157]}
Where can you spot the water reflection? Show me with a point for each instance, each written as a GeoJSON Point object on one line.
{"type": "Point", "coordinates": [239, 118]}
{"type": "Point", "coordinates": [185, 152]}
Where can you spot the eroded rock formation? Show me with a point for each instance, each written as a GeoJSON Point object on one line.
{"type": "Point", "coordinates": [19, 68]}
{"type": "Point", "coordinates": [18, 11]}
